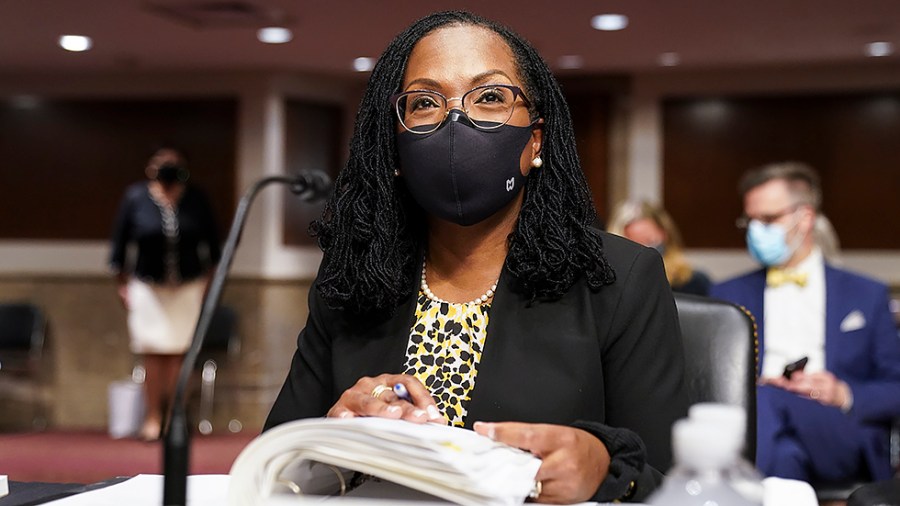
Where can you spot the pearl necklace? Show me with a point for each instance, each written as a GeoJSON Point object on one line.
{"type": "Point", "coordinates": [479, 300]}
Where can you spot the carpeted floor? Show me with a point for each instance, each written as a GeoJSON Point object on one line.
{"type": "Point", "coordinates": [88, 457]}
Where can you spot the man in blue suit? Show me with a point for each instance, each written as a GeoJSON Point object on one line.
{"type": "Point", "coordinates": [829, 421]}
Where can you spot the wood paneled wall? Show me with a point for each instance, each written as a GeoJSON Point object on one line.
{"type": "Point", "coordinates": [313, 141]}
{"type": "Point", "coordinates": [64, 164]}
{"type": "Point", "coordinates": [591, 119]}
{"type": "Point", "coordinates": [851, 139]}
{"type": "Point", "coordinates": [590, 101]}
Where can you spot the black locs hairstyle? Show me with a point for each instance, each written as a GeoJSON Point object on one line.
{"type": "Point", "coordinates": [372, 232]}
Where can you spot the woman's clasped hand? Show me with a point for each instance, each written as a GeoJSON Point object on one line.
{"type": "Point", "coordinates": [573, 461]}
{"type": "Point", "coordinates": [375, 397]}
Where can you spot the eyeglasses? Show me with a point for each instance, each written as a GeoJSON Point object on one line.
{"type": "Point", "coordinates": [488, 107]}
{"type": "Point", "coordinates": [766, 219]}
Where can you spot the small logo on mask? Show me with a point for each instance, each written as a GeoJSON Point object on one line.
{"type": "Point", "coordinates": [510, 183]}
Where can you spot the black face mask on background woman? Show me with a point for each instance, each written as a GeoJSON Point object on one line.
{"type": "Point", "coordinates": [169, 173]}
{"type": "Point", "coordinates": [460, 173]}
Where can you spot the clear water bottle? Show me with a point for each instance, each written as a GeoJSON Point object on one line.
{"type": "Point", "coordinates": [707, 456]}
{"type": "Point", "coordinates": [743, 476]}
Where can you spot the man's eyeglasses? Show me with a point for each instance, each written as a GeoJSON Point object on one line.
{"type": "Point", "coordinates": [488, 107]}
{"type": "Point", "coordinates": [766, 219]}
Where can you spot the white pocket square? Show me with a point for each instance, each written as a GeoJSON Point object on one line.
{"type": "Point", "coordinates": [853, 321]}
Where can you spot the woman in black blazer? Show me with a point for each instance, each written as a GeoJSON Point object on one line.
{"type": "Point", "coordinates": [459, 262]}
{"type": "Point", "coordinates": [171, 226]}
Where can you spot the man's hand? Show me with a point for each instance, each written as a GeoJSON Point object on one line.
{"type": "Point", "coordinates": [822, 386]}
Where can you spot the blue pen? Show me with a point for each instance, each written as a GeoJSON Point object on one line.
{"type": "Point", "coordinates": [401, 392]}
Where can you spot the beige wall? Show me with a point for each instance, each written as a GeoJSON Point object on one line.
{"type": "Point", "coordinates": [87, 345]}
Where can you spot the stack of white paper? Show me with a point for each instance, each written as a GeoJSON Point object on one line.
{"type": "Point", "coordinates": [451, 463]}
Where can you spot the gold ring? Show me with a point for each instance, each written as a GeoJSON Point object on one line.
{"type": "Point", "coordinates": [380, 389]}
{"type": "Point", "coordinates": [813, 394]}
{"type": "Point", "coordinates": [536, 491]}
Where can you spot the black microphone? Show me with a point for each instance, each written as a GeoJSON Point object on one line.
{"type": "Point", "coordinates": [310, 186]}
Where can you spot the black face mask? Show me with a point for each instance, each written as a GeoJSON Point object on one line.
{"type": "Point", "coordinates": [460, 173]}
{"type": "Point", "coordinates": [169, 173]}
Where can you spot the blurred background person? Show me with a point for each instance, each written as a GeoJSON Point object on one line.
{"type": "Point", "coordinates": [828, 420]}
{"type": "Point", "coordinates": [177, 246]}
{"type": "Point", "coordinates": [650, 225]}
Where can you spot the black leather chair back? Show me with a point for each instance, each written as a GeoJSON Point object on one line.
{"type": "Point", "coordinates": [22, 330]}
{"type": "Point", "coordinates": [222, 332]}
{"type": "Point", "coordinates": [879, 493]}
{"type": "Point", "coordinates": [720, 349]}
{"type": "Point", "coordinates": [23, 370]}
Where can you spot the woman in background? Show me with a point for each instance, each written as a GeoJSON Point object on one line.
{"type": "Point", "coordinates": [177, 246]}
{"type": "Point", "coordinates": [651, 225]}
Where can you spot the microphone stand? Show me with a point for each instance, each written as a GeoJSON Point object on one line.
{"type": "Point", "coordinates": [176, 446]}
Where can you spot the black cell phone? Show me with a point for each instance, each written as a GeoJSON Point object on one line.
{"type": "Point", "coordinates": [793, 367]}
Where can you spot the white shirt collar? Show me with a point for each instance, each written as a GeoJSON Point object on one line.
{"type": "Point", "coordinates": [813, 262]}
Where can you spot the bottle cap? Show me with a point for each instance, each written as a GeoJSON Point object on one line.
{"type": "Point", "coordinates": [730, 416]}
{"type": "Point", "coordinates": [701, 444]}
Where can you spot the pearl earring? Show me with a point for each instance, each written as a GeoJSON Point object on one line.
{"type": "Point", "coordinates": [396, 172]}
{"type": "Point", "coordinates": [537, 163]}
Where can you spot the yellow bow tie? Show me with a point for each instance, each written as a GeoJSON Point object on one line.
{"type": "Point", "coordinates": [777, 277]}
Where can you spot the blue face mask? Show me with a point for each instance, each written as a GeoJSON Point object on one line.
{"type": "Point", "coordinates": [768, 243]}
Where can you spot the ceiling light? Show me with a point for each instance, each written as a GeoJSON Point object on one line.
{"type": "Point", "coordinates": [363, 64]}
{"type": "Point", "coordinates": [609, 22]}
{"type": "Point", "coordinates": [571, 61]}
{"type": "Point", "coordinates": [274, 35]}
{"type": "Point", "coordinates": [25, 102]}
{"type": "Point", "coordinates": [711, 111]}
{"type": "Point", "coordinates": [669, 59]}
{"type": "Point", "coordinates": [75, 43]}
{"type": "Point", "coordinates": [879, 49]}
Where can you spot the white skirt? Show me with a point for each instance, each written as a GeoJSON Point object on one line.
{"type": "Point", "coordinates": [162, 318]}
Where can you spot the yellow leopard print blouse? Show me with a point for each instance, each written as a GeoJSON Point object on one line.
{"type": "Point", "coordinates": [445, 345]}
